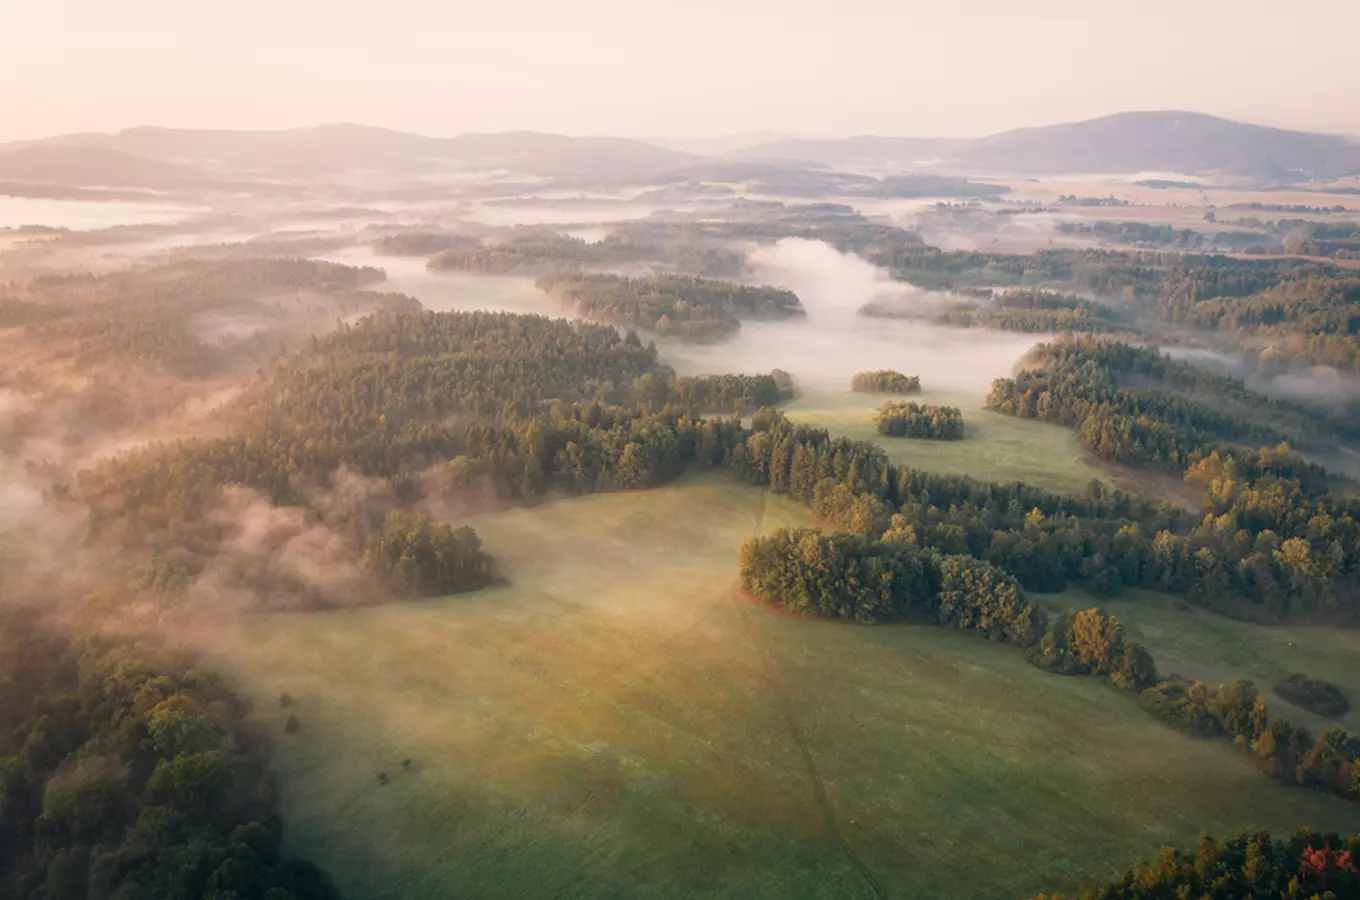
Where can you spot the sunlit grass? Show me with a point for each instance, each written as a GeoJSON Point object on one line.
{"type": "Point", "coordinates": [994, 448]}
{"type": "Point", "coordinates": [618, 721]}
{"type": "Point", "coordinates": [1195, 643]}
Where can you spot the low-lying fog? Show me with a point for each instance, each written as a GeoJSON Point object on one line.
{"type": "Point", "coordinates": [89, 214]}
{"type": "Point", "coordinates": [833, 343]}
{"type": "Point", "coordinates": [449, 291]}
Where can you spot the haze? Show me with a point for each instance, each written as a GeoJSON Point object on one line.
{"type": "Point", "coordinates": [707, 68]}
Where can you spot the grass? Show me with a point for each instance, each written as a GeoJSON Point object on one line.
{"type": "Point", "coordinates": [994, 448]}
{"type": "Point", "coordinates": [1198, 644]}
{"type": "Point", "coordinates": [618, 721]}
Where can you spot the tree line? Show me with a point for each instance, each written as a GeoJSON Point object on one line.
{"type": "Point", "coordinates": [1305, 865]}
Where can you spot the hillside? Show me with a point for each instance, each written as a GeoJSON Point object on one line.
{"type": "Point", "coordinates": [91, 167]}
{"type": "Point", "coordinates": [345, 147]}
{"type": "Point", "coordinates": [1167, 141]}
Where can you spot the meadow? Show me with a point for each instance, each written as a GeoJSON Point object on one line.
{"type": "Point", "coordinates": [1198, 644]}
{"type": "Point", "coordinates": [619, 721]}
{"type": "Point", "coordinates": [995, 447]}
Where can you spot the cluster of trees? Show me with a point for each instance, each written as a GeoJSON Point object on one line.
{"type": "Point", "coordinates": [690, 308]}
{"type": "Point", "coordinates": [1310, 319]}
{"type": "Point", "coordinates": [1144, 234]}
{"type": "Point", "coordinates": [1029, 310]}
{"type": "Point", "coordinates": [1306, 864]}
{"type": "Point", "coordinates": [1237, 712]}
{"type": "Point", "coordinates": [851, 577]}
{"type": "Point", "coordinates": [885, 381]}
{"type": "Point", "coordinates": [1314, 695]}
{"type": "Point", "coordinates": [887, 562]}
{"type": "Point", "coordinates": [530, 252]}
{"type": "Point", "coordinates": [1289, 309]}
{"type": "Point", "coordinates": [1272, 535]}
{"type": "Point", "coordinates": [907, 419]}
{"type": "Point", "coordinates": [1077, 383]}
{"type": "Point", "coordinates": [126, 773]}
{"type": "Point", "coordinates": [1074, 200]}
{"type": "Point", "coordinates": [417, 555]}
{"type": "Point", "coordinates": [147, 316]}
{"type": "Point", "coordinates": [419, 243]}
{"type": "Point", "coordinates": [1263, 549]}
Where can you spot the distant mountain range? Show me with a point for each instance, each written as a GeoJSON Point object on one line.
{"type": "Point", "coordinates": [1168, 141]}
{"type": "Point", "coordinates": [1186, 142]}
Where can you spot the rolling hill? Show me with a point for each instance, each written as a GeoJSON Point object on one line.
{"type": "Point", "coordinates": [1165, 141]}
{"type": "Point", "coordinates": [91, 167]}
{"type": "Point", "coordinates": [334, 148]}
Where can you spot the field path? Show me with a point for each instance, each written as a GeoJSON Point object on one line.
{"type": "Point", "coordinates": [782, 693]}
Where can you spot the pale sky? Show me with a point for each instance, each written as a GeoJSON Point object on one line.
{"type": "Point", "coordinates": [679, 68]}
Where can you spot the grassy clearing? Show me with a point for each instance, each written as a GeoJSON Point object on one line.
{"type": "Point", "coordinates": [619, 722]}
{"type": "Point", "coordinates": [995, 447]}
{"type": "Point", "coordinates": [1197, 644]}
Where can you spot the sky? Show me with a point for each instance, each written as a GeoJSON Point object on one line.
{"type": "Point", "coordinates": [682, 68]}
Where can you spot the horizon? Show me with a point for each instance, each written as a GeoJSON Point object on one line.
{"type": "Point", "coordinates": [764, 135]}
{"type": "Point", "coordinates": [603, 67]}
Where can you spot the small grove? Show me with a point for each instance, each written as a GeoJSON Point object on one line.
{"type": "Point", "coordinates": [920, 420]}
{"type": "Point", "coordinates": [885, 381]}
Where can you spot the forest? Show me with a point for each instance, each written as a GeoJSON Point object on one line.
{"type": "Point", "coordinates": [127, 772]}
{"type": "Point", "coordinates": [689, 308]}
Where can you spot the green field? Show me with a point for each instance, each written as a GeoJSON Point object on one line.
{"type": "Point", "coordinates": [1198, 644]}
{"type": "Point", "coordinates": [618, 721]}
{"type": "Point", "coordinates": [995, 447]}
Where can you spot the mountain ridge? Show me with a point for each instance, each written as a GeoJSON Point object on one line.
{"type": "Point", "coordinates": [1126, 142]}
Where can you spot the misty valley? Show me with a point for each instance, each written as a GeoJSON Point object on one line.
{"type": "Point", "coordinates": [518, 515]}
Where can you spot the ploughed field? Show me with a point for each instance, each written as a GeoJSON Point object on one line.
{"type": "Point", "coordinates": [619, 721]}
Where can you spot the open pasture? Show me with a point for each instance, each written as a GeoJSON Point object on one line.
{"type": "Point", "coordinates": [618, 721]}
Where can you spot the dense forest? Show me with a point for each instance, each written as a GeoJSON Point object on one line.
{"type": "Point", "coordinates": [920, 420]}
{"type": "Point", "coordinates": [126, 772]}
{"type": "Point", "coordinates": [166, 316]}
{"type": "Point", "coordinates": [689, 308]}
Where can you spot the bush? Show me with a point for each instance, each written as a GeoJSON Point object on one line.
{"type": "Point", "coordinates": [1314, 695]}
